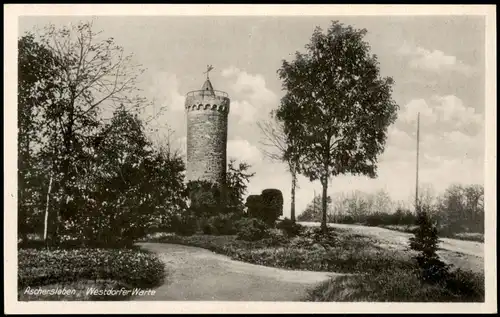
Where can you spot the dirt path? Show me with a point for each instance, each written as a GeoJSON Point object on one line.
{"type": "Point", "coordinates": [462, 254]}
{"type": "Point", "coordinates": [199, 274]}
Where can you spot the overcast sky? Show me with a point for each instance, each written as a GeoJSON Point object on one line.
{"type": "Point", "coordinates": [437, 64]}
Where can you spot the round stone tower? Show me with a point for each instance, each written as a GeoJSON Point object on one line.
{"type": "Point", "coordinates": [207, 111]}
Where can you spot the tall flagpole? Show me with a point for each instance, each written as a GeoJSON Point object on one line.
{"type": "Point", "coordinates": [416, 178]}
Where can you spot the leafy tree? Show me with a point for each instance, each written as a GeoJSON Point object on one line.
{"type": "Point", "coordinates": [278, 149]}
{"type": "Point", "coordinates": [131, 187]}
{"type": "Point", "coordinates": [165, 186]}
{"type": "Point", "coordinates": [92, 74]}
{"type": "Point", "coordinates": [461, 208]}
{"type": "Point", "coordinates": [337, 107]}
{"type": "Point", "coordinates": [106, 179]}
{"type": "Point", "coordinates": [36, 68]}
{"type": "Point", "coordinates": [237, 179]}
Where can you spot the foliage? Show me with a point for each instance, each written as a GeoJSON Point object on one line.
{"type": "Point", "coordinates": [337, 108]}
{"type": "Point", "coordinates": [92, 74]}
{"type": "Point", "coordinates": [206, 199]}
{"type": "Point", "coordinates": [238, 177]}
{"type": "Point", "coordinates": [265, 207]}
{"type": "Point", "coordinates": [272, 200]}
{"type": "Point", "coordinates": [254, 206]}
{"type": "Point", "coordinates": [458, 212]}
{"type": "Point", "coordinates": [223, 224]}
{"type": "Point", "coordinates": [251, 229]}
{"type": "Point", "coordinates": [135, 268]}
{"type": "Point", "coordinates": [36, 87]}
{"type": "Point", "coordinates": [461, 209]}
{"type": "Point", "coordinates": [400, 217]}
{"type": "Point", "coordinates": [185, 224]}
{"type": "Point", "coordinates": [426, 242]}
{"type": "Point", "coordinates": [289, 227]}
{"type": "Point", "coordinates": [109, 182]}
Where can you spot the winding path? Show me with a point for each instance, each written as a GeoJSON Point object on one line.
{"type": "Point", "coordinates": [200, 275]}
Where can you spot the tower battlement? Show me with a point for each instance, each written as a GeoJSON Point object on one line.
{"type": "Point", "coordinates": [202, 100]}
{"type": "Point", "coordinates": [207, 112]}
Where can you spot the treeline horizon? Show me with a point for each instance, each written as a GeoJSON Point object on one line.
{"type": "Point", "coordinates": [459, 208]}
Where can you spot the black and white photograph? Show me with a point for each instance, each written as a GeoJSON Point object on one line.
{"type": "Point", "coordinates": [204, 155]}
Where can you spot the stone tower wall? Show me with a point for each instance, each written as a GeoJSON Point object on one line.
{"type": "Point", "coordinates": [207, 117]}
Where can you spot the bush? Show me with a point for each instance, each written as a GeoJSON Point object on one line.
{"type": "Point", "coordinates": [466, 283]}
{"type": "Point", "coordinates": [272, 201]}
{"type": "Point", "coordinates": [223, 224]}
{"type": "Point", "coordinates": [251, 229]}
{"type": "Point", "coordinates": [254, 206]}
{"type": "Point", "coordinates": [396, 285]}
{"type": "Point", "coordinates": [135, 268]}
{"type": "Point", "coordinates": [289, 227]}
{"type": "Point", "coordinates": [184, 225]}
{"type": "Point", "coordinates": [205, 198]}
{"type": "Point", "coordinates": [346, 219]}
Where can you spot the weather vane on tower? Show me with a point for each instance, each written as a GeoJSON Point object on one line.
{"type": "Point", "coordinates": [209, 68]}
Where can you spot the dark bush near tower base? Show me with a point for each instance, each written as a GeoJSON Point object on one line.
{"type": "Point", "coordinates": [254, 206]}
{"type": "Point", "coordinates": [272, 200]}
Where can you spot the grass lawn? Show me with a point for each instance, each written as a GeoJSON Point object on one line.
{"type": "Point", "coordinates": [379, 274]}
{"type": "Point", "coordinates": [399, 285]}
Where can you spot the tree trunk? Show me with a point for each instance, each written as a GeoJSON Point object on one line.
{"type": "Point", "coordinates": [46, 221]}
{"type": "Point", "coordinates": [324, 183]}
{"type": "Point", "coordinates": [292, 207]}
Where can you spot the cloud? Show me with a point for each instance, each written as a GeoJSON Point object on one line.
{"type": "Point", "coordinates": [410, 112]}
{"type": "Point", "coordinates": [452, 109]}
{"type": "Point", "coordinates": [451, 148]}
{"type": "Point", "coordinates": [164, 90]}
{"type": "Point", "coordinates": [243, 150]}
{"type": "Point", "coordinates": [166, 117]}
{"type": "Point", "coordinates": [243, 110]}
{"type": "Point", "coordinates": [453, 144]}
{"type": "Point", "coordinates": [433, 61]}
{"type": "Point", "coordinates": [250, 96]}
{"type": "Point", "coordinates": [447, 111]}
